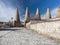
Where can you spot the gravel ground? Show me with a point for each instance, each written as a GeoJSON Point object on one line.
{"type": "Point", "coordinates": [24, 37]}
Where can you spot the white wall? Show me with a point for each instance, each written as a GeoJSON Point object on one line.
{"type": "Point", "coordinates": [51, 28]}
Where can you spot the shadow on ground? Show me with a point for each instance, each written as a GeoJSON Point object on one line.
{"type": "Point", "coordinates": [10, 29]}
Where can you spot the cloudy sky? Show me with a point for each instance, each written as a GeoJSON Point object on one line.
{"type": "Point", "coordinates": [8, 8]}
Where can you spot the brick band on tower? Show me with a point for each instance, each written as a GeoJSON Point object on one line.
{"type": "Point", "coordinates": [27, 17]}
{"type": "Point", "coordinates": [16, 19]}
{"type": "Point", "coordinates": [48, 15]}
{"type": "Point", "coordinates": [58, 13]}
{"type": "Point", "coordinates": [37, 17]}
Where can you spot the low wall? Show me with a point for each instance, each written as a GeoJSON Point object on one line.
{"type": "Point", "coordinates": [49, 28]}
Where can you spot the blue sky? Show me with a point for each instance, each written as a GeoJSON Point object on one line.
{"type": "Point", "coordinates": [8, 8]}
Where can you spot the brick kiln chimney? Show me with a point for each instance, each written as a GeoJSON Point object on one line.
{"type": "Point", "coordinates": [16, 19]}
{"type": "Point", "coordinates": [58, 13]}
{"type": "Point", "coordinates": [37, 17]}
{"type": "Point", "coordinates": [48, 15]}
{"type": "Point", "coordinates": [27, 17]}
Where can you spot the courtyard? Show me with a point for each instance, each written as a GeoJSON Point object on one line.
{"type": "Point", "coordinates": [23, 36]}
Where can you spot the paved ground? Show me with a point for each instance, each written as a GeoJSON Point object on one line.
{"type": "Point", "coordinates": [23, 36]}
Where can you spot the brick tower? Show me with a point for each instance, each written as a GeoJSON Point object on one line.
{"type": "Point", "coordinates": [16, 22]}
{"type": "Point", "coordinates": [58, 13]}
{"type": "Point", "coordinates": [37, 17]}
{"type": "Point", "coordinates": [48, 15]}
{"type": "Point", "coordinates": [27, 17]}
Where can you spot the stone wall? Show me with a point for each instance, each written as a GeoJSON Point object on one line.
{"type": "Point", "coordinates": [50, 28]}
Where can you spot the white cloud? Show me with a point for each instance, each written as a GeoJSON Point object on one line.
{"type": "Point", "coordinates": [6, 12]}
